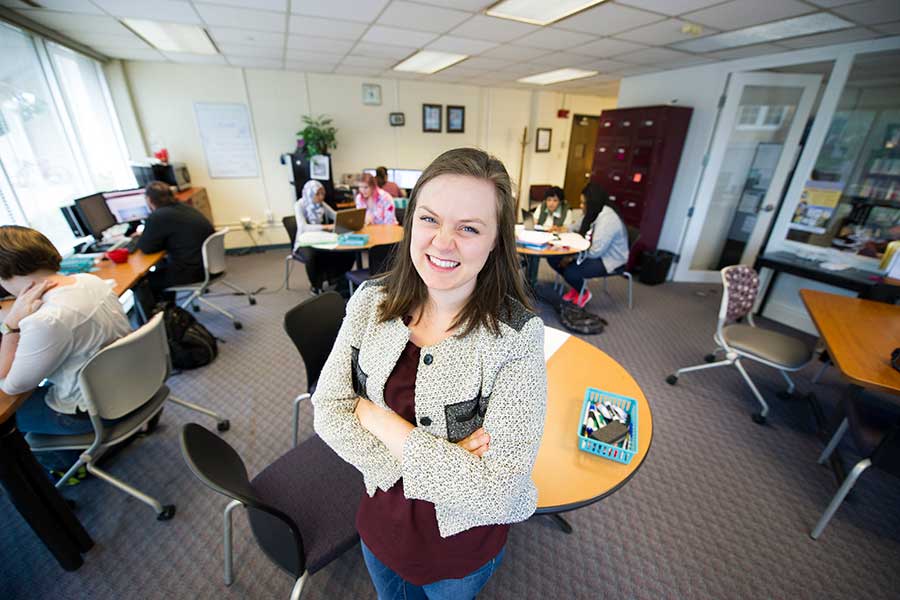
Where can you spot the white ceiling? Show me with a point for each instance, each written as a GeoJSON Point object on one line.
{"type": "Point", "coordinates": [368, 37]}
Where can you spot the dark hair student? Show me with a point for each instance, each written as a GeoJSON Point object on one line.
{"type": "Point", "coordinates": [435, 389]}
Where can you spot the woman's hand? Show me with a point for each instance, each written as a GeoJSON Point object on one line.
{"type": "Point", "coordinates": [27, 303]}
{"type": "Point", "coordinates": [478, 443]}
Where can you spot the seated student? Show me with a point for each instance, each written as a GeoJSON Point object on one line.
{"type": "Point", "coordinates": [55, 325]}
{"type": "Point", "coordinates": [379, 204]}
{"type": "Point", "coordinates": [609, 245]}
{"type": "Point", "coordinates": [180, 230]}
{"type": "Point", "coordinates": [389, 186]}
{"type": "Point", "coordinates": [553, 214]}
{"type": "Point", "coordinates": [321, 265]}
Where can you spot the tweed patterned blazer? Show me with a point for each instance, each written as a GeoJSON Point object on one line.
{"type": "Point", "coordinates": [462, 383]}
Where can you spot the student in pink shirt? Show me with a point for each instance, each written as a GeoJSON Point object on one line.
{"type": "Point", "coordinates": [378, 204]}
{"type": "Point", "coordinates": [389, 186]}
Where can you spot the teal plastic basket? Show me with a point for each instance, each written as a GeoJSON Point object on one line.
{"type": "Point", "coordinates": [622, 452]}
{"type": "Point", "coordinates": [353, 239]}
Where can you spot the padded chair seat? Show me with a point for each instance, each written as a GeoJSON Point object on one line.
{"type": "Point", "coordinates": [778, 348]}
{"type": "Point", "coordinates": [112, 433]}
{"type": "Point", "coordinates": [359, 276]}
{"type": "Point", "coordinates": [320, 492]}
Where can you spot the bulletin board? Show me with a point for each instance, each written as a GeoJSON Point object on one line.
{"type": "Point", "coordinates": [227, 139]}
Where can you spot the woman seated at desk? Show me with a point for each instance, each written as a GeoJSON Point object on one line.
{"type": "Point", "coordinates": [379, 204]}
{"type": "Point", "coordinates": [390, 187]}
{"type": "Point", "coordinates": [553, 214]}
{"type": "Point", "coordinates": [321, 265]}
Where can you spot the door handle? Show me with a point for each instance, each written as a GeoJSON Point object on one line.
{"type": "Point", "coordinates": [768, 208]}
{"type": "Point", "coordinates": [588, 174]}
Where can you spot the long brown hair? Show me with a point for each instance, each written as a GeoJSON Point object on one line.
{"type": "Point", "coordinates": [499, 280]}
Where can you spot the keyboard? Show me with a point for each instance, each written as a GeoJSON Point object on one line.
{"type": "Point", "coordinates": [129, 244]}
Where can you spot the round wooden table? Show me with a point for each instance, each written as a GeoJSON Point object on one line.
{"type": "Point", "coordinates": [568, 478]}
{"type": "Point", "coordinates": [533, 259]}
{"type": "Point", "coordinates": [379, 235]}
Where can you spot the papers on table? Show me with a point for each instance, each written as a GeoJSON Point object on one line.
{"type": "Point", "coordinates": [533, 239]}
{"type": "Point", "coordinates": [318, 239]}
{"type": "Point", "coordinates": [571, 240]}
{"type": "Point", "coordinates": [553, 339]}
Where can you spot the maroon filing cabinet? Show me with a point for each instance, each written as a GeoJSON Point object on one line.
{"type": "Point", "coordinates": [635, 160]}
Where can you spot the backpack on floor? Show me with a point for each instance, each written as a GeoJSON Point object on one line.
{"type": "Point", "coordinates": [191, 345]}
{"type": "Point", "coordinates": [579, 320]}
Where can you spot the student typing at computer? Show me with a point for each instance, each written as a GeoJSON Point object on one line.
{"type": "Point", "coordinates": [180, 230]}
{"type": "Point", "coordinates": [55, 325]}
{"type": "Point", "coordinates": [321, 266]}
{"type": "Point", "coordinates": [379, 204]}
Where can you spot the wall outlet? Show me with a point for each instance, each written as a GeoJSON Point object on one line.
{"type": "Point", "coordinates": [270, 218]}
{"type": "Point", "coordinates": [247, 223]}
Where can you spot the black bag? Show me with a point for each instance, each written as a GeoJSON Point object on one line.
{"type": "Point", "coordinates": [579, 320]}
{"type": "Point", "coordinates": [191, 345]}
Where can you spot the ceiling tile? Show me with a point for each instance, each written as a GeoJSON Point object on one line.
{"type": "Point", "coordinates": [872, 12]}
{"type": "Point", "coordinates": [482, 63]}
{"type": "Point", "coordinates": [89, 38]}
{"type": "Point", "coordinates": [76, 6]}
{"type": "Point", "coordinates": [130, 53]}
{"type": "Point", "coordinates": [843, 36]}
{"type": "Point", "coordinates": [889, 28]}
{"type": "Point", "coordinates": [831, 3]}
{"type": "Point", "coordinates": [58, 20]}
{"type": "Point", "coordinates": [561, 59]}
{"type": "Point", "coordinates": [655, 56]}
{"type": "Point", "coordinates": [379, 34]}
{"type": "Point", "coordinates": [203, 59]}
{"type": "Point", "coordinates": [738, 14]}
{"type": "Point", "coordinates": [352, 10]}
{"type": "Point", "coordinates": [316, 57]}
{"type": "Point", "coordinates": [605, 66]}
{"type": "Point", "coordinates": [174, 11]}
{"type": "Point", "coordinates": [492, 29]}
{"type": "Point", "coordinates": [510, 52]}
{"type": "Point", "coordinates": [662, 33]}
{"type": "Point", "coordinates": [375, 64]}
{"type": "Point", "coordinates": [469, 5]}
{"type": "Point", "coordinates": [251, 51]}
{"type": "Point", "coordinates": [519, 70]}
{"type": "Point", "coordinates": [746, 51]}
{"type": "Point", "coordinates": [226, 35]}
{"type": "Point", "coordinates": [638, 70]}
{"type": "Point", "coordinates": [608, 19]}
{"type": "Point", "coordinates": [670, 7]}
{"type": "Point", "coordinates": [228, 16]}
{"type": "Point", "coordinates": [309, 67]}
{"type": "Point", "coordinates": [401, 74]}
{"type": "Point", "coordinates": [352, 70]}
{"type": "Point", "coordinates": [317, 44]}
{"type": "Point", "coordinates": [255, 62]}
{"type": "Point", "coordinates": [273, 5]}
{"type": "Point", "coordinates": [383, 51]}
{"type": "Point", "coordinates": [551, 38]}
{"type": "Point", "coordinates": [329, 28]}
{"type": "Point", "coordinates": [458, 45]}
{"type": "Point", "coordinates": [421, 18]}
{"type": "Point", "coordinates": [607, 47]}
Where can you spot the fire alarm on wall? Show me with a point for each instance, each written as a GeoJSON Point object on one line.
{"type": "Point", "coordinates": [562, 113]}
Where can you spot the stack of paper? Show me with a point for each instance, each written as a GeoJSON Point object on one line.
{"type": "Point", "coordinates": [315, 238]}
{"type": "Point", "coordinates": [571, 240]}
{"type": "Point", "coordinates": [533, 239]}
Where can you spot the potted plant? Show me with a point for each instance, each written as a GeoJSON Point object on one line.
{"type": "Point", "coordinates": [318, 135]}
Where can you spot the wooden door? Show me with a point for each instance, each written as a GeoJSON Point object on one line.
{"type": "Point", "coordinates": [581, 157]}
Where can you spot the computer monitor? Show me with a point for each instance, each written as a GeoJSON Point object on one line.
{"type": "Point", "coordinates": [73, 219]}
{"type": "Point", "coordinates": [406, 178]}
{"type": "Point", "coordinates": [127, 205]}
{"type": "Point", "coordinates": [95, 214]}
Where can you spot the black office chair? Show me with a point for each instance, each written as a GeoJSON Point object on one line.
{"type": "Point", "coordinates": [379, 261]}
{"type": "Point", "coordinates": [301, 508]}
{"type": "Point", "coordinates": [313, 326]}
{"type": "Point", "coordinates": [401, 215]}
{"type": "Point", "coordinates": [299, 255]}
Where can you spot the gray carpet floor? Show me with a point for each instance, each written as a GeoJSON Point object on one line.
{"type": "Point", "coordinates": [722, 507]}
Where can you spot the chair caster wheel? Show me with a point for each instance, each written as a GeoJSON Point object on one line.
{"type": "Point", "coordinates": [223, 425]}
{"type": "Point", "coordinates": [71, 503]}
{"type": "Point", "coordinates": [710, 358]}
{"type": "Point", "coordinates": [672, 379]}
{"type": "Point", "coordinates": [238, 325]}
{"type": "Point", "coordinates": [196, 308]}
{"type": "Point", "coordinates": [252, 301]}
{"type": "Point", "coordinates": [167, 513]}
{"type": "Point", "coordinates": [785, 395]}
{"type": "Point", "coordinates": [758, 419]}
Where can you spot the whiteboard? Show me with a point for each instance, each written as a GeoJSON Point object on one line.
{"type": "Point", "coordinates": [227, 140]}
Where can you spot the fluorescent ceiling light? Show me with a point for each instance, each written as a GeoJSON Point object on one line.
{"type": "Point", "coordinates": [538, 12]}
{"type": "Point", "coordinates": [768, 32]}
{"type": "Point", "coordinates": [429, 61]}
{"type": "Point", "coordinates": [556, 76]}
{"type": "Point", "coordinates": [172, 37]}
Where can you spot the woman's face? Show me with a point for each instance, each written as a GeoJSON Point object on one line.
{"type": "Point", "coordinates": [319, 198]}
{"type": "Point", "coordinates": [552, 203]}
{"type": "Point", "coordinates": [453, 231]}
{"type": "Point", "coordinates": [364, 189]}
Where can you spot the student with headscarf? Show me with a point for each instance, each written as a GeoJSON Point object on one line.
{"type": "Point", "coordinates": [609, 245]}
{"type": "Point", "coordinates": [378, 203]}
{"type": "Point", "coordinates": [321, 265]}
{"type": "Point", "coordinates": [553, 214]}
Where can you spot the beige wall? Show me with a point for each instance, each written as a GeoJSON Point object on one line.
{"type": "Point", "coordinates": [163, 97]}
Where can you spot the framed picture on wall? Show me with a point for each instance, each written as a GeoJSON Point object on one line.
{"type": "Point", "coordinates": [431, 118]}
{"type": "Point", "coordinates": [456, 119]}
{"type": "Point", "coordinates": [542, 140]}
{"type": "Point", "coordinates": [397, 119]}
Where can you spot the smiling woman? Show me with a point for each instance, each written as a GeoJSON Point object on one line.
{"type": "Point", "coordinates": [436, 388]}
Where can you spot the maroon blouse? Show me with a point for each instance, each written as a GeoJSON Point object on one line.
{"type": "Point", "coordinates": [403, 533]}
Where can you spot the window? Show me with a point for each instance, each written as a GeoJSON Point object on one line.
{"type": "Point", "coordinates": [755, 116]}
{"type": "Point", "coordinates": [59, 138]}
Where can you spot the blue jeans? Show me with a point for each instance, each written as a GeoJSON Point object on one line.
{"type": "Point", "coordinates": [391, 586]}
{"type": "Point", "coordinates": [34, 416]}
{"type": "Point", "coordinates": [575, 274]}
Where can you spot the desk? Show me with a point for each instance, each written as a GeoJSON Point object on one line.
{"type": "Point", "coordinates": [379, 235]}
{"type": "Point", "coordinates": [533, 259]}
{"type": "Point", "coordinates": [566, 477]}
{"type": "Point", "coordinates": [34, 496]}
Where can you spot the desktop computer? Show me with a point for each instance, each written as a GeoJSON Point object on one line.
{"type": "Point", "coordinates": [127, 206]}
{"type": "Point", "coordinates": [404, 178]}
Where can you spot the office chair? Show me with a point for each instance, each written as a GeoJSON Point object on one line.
{"type": "Point", "coordinates": [299, 255]}
{"type": "Point", "coordinates": [876, 435]}
{"type": "Point", "coordinates": [301, 508]}
{"type": "Point", "coordinates": [125, 379]}
{"type": "Point", "coordinates": [213, 252]}
{"type": "Point", "coordinates": [738, 341]}
{"type": "Point", "coordinates": [634, 234]}
{"type": "Point", "coordinates": [379, 261]}
{"type": "Point", "coordinates": [313, 327]}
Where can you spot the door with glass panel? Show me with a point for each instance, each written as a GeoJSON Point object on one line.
{"type": "Point", "coordinates": [753, 150]}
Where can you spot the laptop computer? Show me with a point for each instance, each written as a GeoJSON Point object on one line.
{"type": "Point", "coordinates": [352, 219]}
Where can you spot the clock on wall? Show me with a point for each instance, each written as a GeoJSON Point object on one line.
{"type": "Point", "coordinates": [371, 94]}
